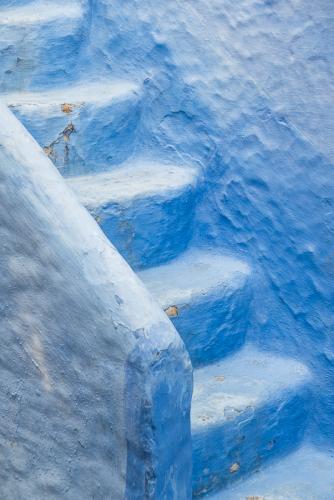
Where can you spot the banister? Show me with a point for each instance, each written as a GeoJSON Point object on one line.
{"type": "Point", "coordinates": [96, 382]}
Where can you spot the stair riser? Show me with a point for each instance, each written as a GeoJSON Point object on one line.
{"type": "Point", "coordinates": [214, 325]}
{"type": "Point", "coordinates": [86, 137]}
{"type": "Point", "coordinates": [250, 440]}
{"type": "Point", "coordinates": [149, 231]}
{"type": "Point", "coordinates": [34, 55]}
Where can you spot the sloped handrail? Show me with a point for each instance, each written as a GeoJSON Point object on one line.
{"type": "Point", "coordinates": [96, 382]}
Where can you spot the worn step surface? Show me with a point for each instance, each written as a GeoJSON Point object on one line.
{"type": "Point", "coordinates": [207, 296]}
{"type": "Point", "coordinates": [144, 208]}
{"type": "Point", "coordinates": [83, 127]}
{"type": "Point", "coordinates": [246, 410]}
{"type": "Point", "coordinates": [39, 42]}
{"type": "Point", "coordinates": [306, 474]}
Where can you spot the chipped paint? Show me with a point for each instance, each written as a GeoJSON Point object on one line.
{"type": "Point", "coordinates": [234, 468]}
{"type": "Point", "coordinates": [68, 131]}
{"type": "Point", "coordinates": [49, 151]}
{"type": "Point", "coordinates": [64, 136]}
{"type": "Point", "coordinates": [172, 311]}
{"type": "Point", "coordinates": [67, 108]}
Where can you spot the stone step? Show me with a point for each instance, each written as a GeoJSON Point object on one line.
{"type": "Point", "coordinates": [306, 474]}
{"type": "Point", "coordinates": [207, 296]}
{"type": "Point", "coordinates": [144, 208]}
{"type": "Point", "coordinates": [83, 127]}
{"type": "Point", "coordinates": [246, 410]}
{"type": "Point", "coordinates": [39, 42]}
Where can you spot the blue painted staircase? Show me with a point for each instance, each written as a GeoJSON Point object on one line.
{"type": "Point", "coordinates": [51, 30]}
{"type": "Point", "coordinates": [249, 407]}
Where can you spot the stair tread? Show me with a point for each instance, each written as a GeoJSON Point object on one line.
{"type": "Point", "coordinates": [134, 179]}
{"type": "Point", "coordinates": [306, 474]}
{"type": "Point", "coordinates": [86, 92]}
{"type": "Point", "coordinates": [195, 273]}
{"type": "Point", "coordinates": [40, 12]}
{"type": "Point", "coordinates": [245, 380]}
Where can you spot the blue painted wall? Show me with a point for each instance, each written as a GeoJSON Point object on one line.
{"type": "Point", "coordinates": [246, 91]}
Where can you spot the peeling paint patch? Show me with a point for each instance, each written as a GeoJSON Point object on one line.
{"type": "Point", "coordinates": [172, 311]}
{"type": "Point", "coordinates": [67, 108]}
{"type": "Point", "coordinates": [68, 130]}
{"type": "Point", "coordinates": [204, 418]}
{"type": "Point", "coordinates": [63, 136]}
{"type": "Point", "coordinates": [49, 151]}
{"type": "Point", "coordinates": [234, 468]}
{"type": "Point", "coordinates": [220, 378]}
{"type": "Point", "coordinates": [255, 498]}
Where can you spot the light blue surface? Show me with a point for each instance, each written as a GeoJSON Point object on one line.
{"type": "Point", "coordinates": [306, 474]}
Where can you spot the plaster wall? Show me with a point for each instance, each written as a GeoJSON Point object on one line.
{"type": "Point", "coordinates": [245, 90]}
